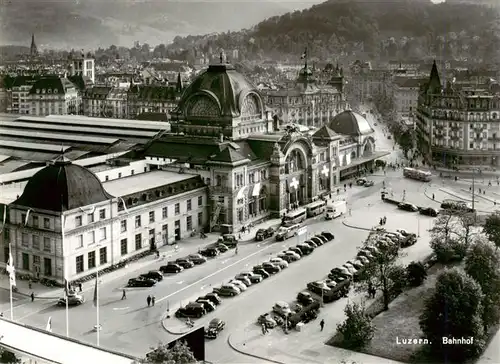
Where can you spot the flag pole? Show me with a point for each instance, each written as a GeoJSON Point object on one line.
{"type": "Point", "coordinates": [66, 283]}
{"type": "Point", "coordinates": [10, 287]}
{"type": "Point", "coordinates": [97, 304]}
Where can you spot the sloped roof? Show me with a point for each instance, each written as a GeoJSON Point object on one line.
{"type": "Point", "coordinates": [51, 85]}
{"type": "Point", "coordinates": [228, 155]}
{"type": "Point", "coordinates": [350, 123]}
{"type": "Point", "coordinates": [154, 92]}
{"type": "Point", "coordinates": [326, 133]}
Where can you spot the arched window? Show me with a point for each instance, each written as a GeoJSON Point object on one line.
{"type": "Point", "coordinates": [294, 162]}
{"type": "Point", "coordinates": [494, 115]}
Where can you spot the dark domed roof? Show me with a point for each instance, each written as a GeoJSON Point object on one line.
{"type": "Point", "coordinates": [62, 186]}
{"type": "Point", "coordinates": [350, 123]}
{"type": "Point", "coordinates": [221, 91]}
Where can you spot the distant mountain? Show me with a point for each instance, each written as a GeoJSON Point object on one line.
{"type": "Point", "coordinates": [92, 23]}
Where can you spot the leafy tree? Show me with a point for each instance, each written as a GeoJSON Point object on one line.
{"type": "Point", "coordinates": [467, 221]}
{"type": "Point", "coordinates": [180, 353]}
{"type": "Point", "coordinates": [416, 274]}
{"type": "Point", "coordinates": [446, 238]}
{"type": "Point", "coordinates": [492, 228]}
{"type": "Point", "coordinates": [454, 311]}
{"type": "Point", "coordinates": [357, 329]}
{"type": "Point", "coordinates": [8, 357]}
{"type": "Point", "coordinates": [483, 264]}
{"type": "Point", "coordinates": [405, 141]}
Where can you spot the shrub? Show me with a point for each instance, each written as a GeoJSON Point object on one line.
{"type": "Point", "coordinates": [448, 250]}
{"type": "Point", "coordinates": [415, 274]}
{"type": "Point", "coordinates": [357, 329]}
{"type": "Point", "coordinates": [397, 276]}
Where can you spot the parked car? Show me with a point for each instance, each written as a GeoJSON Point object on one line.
{"type": "Point", "coordinates": [261, 272]}
{"type": "Point", "coordinates": [229, 240]}
{"type": "Point", "coordinates": [171, 268]}
{"type": "Point", "coordinates": [197, 258]}
{"type": "Point", "coordinates": [356, 264]}
{"type": "Point", "coordinates": [341, 289]}
{"type": "Point", "coordinates": [311, 243]}
{"type": "Point", "coordinates": [245, 280]}
{"type": "Point", "coordinates": [305, 249]}
{"type": "Point", "coordinates": [263, 234]}
{"type": "Point", "coordinates": [252, 277]}
{"type": "Point", "coordinates": [363, 259]}
{"type": "Point", "coordinates": [141, 282]}
{"type": "Point", "coordinates": [212, 297]}
{"type": "Point", "coordinates": [292, 254]}
{"type": "Point", "coordinates": [429, 211]}
{"type": "Point", "coordinates": [209, 306]}
{"type": "Point", "coordinates": [297, 251]}
{"type": "Point", "coordinates": [285, 257]}
{"type": "Point", "coordinates": [221, 247]}
{"type": "Point", "coordinates": [282, 308]}
{"type": "Point", "coordinates": [340, 274]}
{"type": "Point", "coordinates": [227, 290]}
{"type": "Point", "coordinates": [153, 274]}
{"type": "Point", "coordinates": [191, 310]}
{"type": "Point", "coordinates": [369, 183]}
{"type": "Point", "coordinates": [279, 262]}
{"type": "Point", "coordinates": [241, 286]}
{"type": "Point", "coordinates": [361, 181]}
{"type": "Point", "coordinates": [185, 263]}
{"type": "Point", "coordinates": [318, 287]}
{"type": "Point", "coordinates": [366, 253]}
{"type": "Point", "coordinates": [214, 328]}
{"type": "Point", "coordinates": [210, 252]}
{"type": "Point", "coordinates": [406, 206]}
{"type": "Point", "coordinates": [271, 268]}
{"type": "Point", "coordinates": [408, 241]}
{"type": "Point", "coordinates": [74, 299]}
{"type": "Point", "coordinates": [267, 320]}
{"type": "Point", "coordinates": [305, 298]}
{"type": "Point", "coordinates": [328, 235]}
{"type": "Point", "coordinates": [319, 240]}
{"type": "Point", "coordinates": [350, 268]}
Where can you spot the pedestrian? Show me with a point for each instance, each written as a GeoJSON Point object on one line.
{"type": "Point", "coordinates": [29, 284]}
{"type": "Point", "coordinates": [350, 212]}
{"type": "Point", "coordinates": [322, 324]}
{"type": "Point", "coordinates": [380, 221]}
{"type": "Point", "coordinates": [32, 296]}
{"type": "Point", "coordinates": [124, 294]}
{"type": "Point", "coordinates": [433, 197]}
{"type": "Point", "coordinates": [80, 287]}
{"type": "Point", "coordinates": [385, 220]}
{"type": "Point", "coordinates": [153, 300]}
{"type": "Point", "coordinates": [264, 328]}
{"type": "Point", "coordinates": [148, 300]}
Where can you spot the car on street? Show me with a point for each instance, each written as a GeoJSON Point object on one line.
{"type": "Point", "coordinates": [429, 211]}
{"type": "Point", "coordinates": [363, 259]}
{"type": "Point", "coordinates": [229, 240]}
{"type": "Point", "coordinates": [171, 268]}
{"type": "Point", "coordinates": [221, 247]}
{"type": "Point", "coordinates": [319, 240]}
{"type": "Point", "coordinates": [328, 235]}
{"type": "Point", "coordinates": [209, 252]}
{"type": "Point", "coordinates": [367, 254]}
{"type": "Point", "coordinates": [279, 262]}
{"type": "Point", "coordinates": [305, 249]}
{"type": "Point", "coordinates": [153, 274]}
{"type": "Point", "coordinates": [305, 298]}
{"type": "Point", "coordinates": [141, 282]}
{"type": "Point", "coordinates": [341, 289]}
{"type": "Point", "coordinates": [191, 310]}
{"type": "Point", "coordinates": [311, 243]}
{"type": "Point", "coordinates": [184, 263]}
{"type": "Point", "coordinates": [285, 257]}
{"type": "Point", "coordinates": [350, 268]}
{"type": "Point", "coordinates": [361, 181]}
{"type": "Point", "coordinates": [227, 290]}
{"type": "Point", "coordinates": [340, 274]}
{"type": "Point", "coordinates": [356, 264]}
{"type": "Point", "coordinates": [369, 183]}
{"type": "Point", "coordinates": [242, 286]}
{"type": "Point", "coordinates": [263, 234]}
{"type": "Point", "coordinates": [271, 268]}
{"type": "Point", "coordinates": [406, 206]}
{"type": "Point", "coordinates": [408, 241]}
{"type": "Point", "coordinates": [73, 300]}
{"type": "Point", "coordinates": [209, 306]}
{"type": "Point", "coordinates": [261, 272]}
{"type": "Point", "coordinates": [215, 326]}
{"type": "Point", "coordinates": [267, 320]}
{"type": "Point", "coordinates": [292, 254]}
{"type": "Point", "coordinates": [318, 287]}
{"type": "Point", "coordinates": [245, 280]}
{"type": "Point", "coordinates": [296, 250]}
{"type": "Point", "coordinates": [197, 258]}
{"type": "Point", "coordinates": [282, 308]}
{"type": "Point", "coordinates": [373, 249]}
{"type": "Point", "coordinates": [212, 297]}
{"type": "Point", "coordinates": [252, 277]}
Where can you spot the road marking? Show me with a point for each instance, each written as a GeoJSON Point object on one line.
{"type": "Point", "coordinates": [180, 282]}
{"type": "Point", "coordinates": [213, 274]}
{"type": "Point", "coordinates": [225, 261]}
{"type": "Point", "coordinates": [120, 308]}
{"type": "Point", "coordinates": [203, 287]}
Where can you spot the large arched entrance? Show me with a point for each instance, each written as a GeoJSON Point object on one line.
{"type": "Point", "coordinates": [296, 172]}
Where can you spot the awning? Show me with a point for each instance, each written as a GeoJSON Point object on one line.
{"type": "Point", "coordinates": [241, 193]}
{"type": "Point", "coordinates": [256, 190]}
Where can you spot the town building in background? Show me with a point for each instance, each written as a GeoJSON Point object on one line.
{"type": "Point", "coordinates": [405, 91]}
{"type": "Point", "coordinates": [364, 82]}
{"type": "Point", "coordinates": [54, 96]}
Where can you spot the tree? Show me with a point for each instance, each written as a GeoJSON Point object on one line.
{"type": "Point", "coordinates": [467, 220]}
{"type": "Point", "coordinates": [446, 238]}
{"type": "Point", "coordinates": [492, 228]}
{"type": "Point", "coordinates": [8, 357]}
{"type": "Point", "coordinates": [405, 141]}
{"type": "Point", "coordinates": [357, 329]}
{"type": "Point", "coordinates": [454, 311]}
{"type": "Point", "coordinates": [416, 274]}
{"type": "Point", "coordinates": [483, 264]}
{"type": "Point", "coordinates": [180, 353]}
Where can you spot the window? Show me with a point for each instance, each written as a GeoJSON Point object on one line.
{"type": "Point", "coordinates": [91, 260]}
{"type": "Point", "coordinates": [177, 209]}
{"type": "Point", "coordinates": [46, 223]}
{"type": "Point", "coordinates": [164, 233]}
{"type": "Point", "coordinates": [78, 221]}
{"type": "Point", "coordinates": [200, 219]}
{"type": "Point", "coordinates": [151, 216]}
{"type": "Point", "coordinates": [79, 241]}
{"type": "Point", "coordinates": [25, 239]}
{"type": "Point", "coordinates": [102, 214]}
{"type": "Point", "coordinates": [103, 255]}
{"type": "Point", "coordinates": [189, 223]}
{"type": "Point", "coordinates": [6, 235]}
{"type": "Point", "coordinates": [123, 246]}
{"type": "Point", "coordinates": [90, 218]}
{"type": "Point", "coordinates": [26, 261]}
{"type": "Point", "coordinates": [36, 242]}
{"type": "Point", "coordinates": [138, 241]}
{"type": "Point", "coordinates": [123, 226]}
{"type": "Point", "coordinates": [200, 201]}
{"type": "Point", "coordinates": [138, 221]}
{"type": "Point", "coordinates": [164, 212]}
{"type": "Point", "coordinates": [79, 264]}
{"type": "Point", "coordinates": [91, 236]}
{"type": "Point", "coordinates": [35, 221]}
{"type": "Point", "coordinates": [47, 267]}
{"type": "Point", "coordinates": [102, 235]}
{"type": "Point", "coordinates": [46, 244]}
{"type": "Point", "coordinates": [23, 219]}
{"type": "Point", "coordinates": [188, 204]}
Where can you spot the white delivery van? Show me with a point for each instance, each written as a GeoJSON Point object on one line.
{"type": "Point", "coordinates": [335, 209]}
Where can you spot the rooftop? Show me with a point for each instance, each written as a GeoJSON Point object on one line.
{"type": "Point", "coordinates": [141, 182]}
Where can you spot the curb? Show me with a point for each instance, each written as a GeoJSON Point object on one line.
{"type": "Point", "coordinates": [36, 297]}
{"type": "Point", "coordinates": [164, 318]}
{"type": "Point", "coordinates": [440, 202]}
{"type": "Point", "coordinates": [355, 227]}
{"type": "Point", "coordinates": [232, 346]}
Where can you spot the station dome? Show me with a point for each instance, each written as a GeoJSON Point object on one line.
{"type": "Point", "coordinates": [350, 123]}
{"type": "Point", "coordinates": [62, 186]}
{"type": "Point", "coordinates": [219, 93]}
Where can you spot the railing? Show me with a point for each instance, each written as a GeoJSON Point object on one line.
{"type": "Point", "coordinates": [220, 189]}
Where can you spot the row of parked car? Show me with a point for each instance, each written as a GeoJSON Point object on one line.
{"type": "Point", "coordinates": [150, 278]}
{"type": "Point", "coordinates": [407, 206]}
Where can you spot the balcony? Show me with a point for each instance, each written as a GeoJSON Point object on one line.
{"type": "Point", "coordinates": [220, 190]}
{"type": "Point", "coordinates": [478, 129]}
{"type": "Point", "coordinates": [455, 127]}
{"type": "Point", "coordinates": [438, 127]}
{"type": "Point", "coordinates": [494, 138]}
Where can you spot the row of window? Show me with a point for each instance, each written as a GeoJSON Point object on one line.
{"type": "Point", "coordinates": [90, 218]}
{"type": "Point", "coordinates": [91, 260]}
{"type": "Point", "coordinates": [37, 268]}
{"type": "Point", "coordinates": [253, 177]}
{"type": "Point", "coordinates": [35, 240]}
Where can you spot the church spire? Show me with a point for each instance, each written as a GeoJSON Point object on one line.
{"type": "Point", "coordinates": [434, 80]}
{"type": "Point", "coordinates": [178, 86]}
{"type": "Point", "coordinates": [33, 48]}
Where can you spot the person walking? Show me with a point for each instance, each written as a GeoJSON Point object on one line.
{"type": "Point", "coordinates": [322, 324]}
{"type": "Point", "coordinates": [153, 300]}
{"type": "Point", "coordinates": [124, 294]}
{"type": "Point", "coordinates": [148, 300]}
{"type": "Point", "coordinates": [32, 295]}
{"type": "Point", "coordinates": [264, 328]}
{"type": "Point", "coordinates": [29, 284]}
{"type": "Point", "coordinates": [80, 287]}
{"type": "Point", "coordinates": [433, 197]}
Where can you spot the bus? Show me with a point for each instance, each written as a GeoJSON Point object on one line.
{"type": "Point", "coordinates": [456, 205]}
{"type": "Point", "coordinates": [335, 209]}
{"type": "Point", "coordinates": [295, 216]}
{"type": "Point", "coordinates": [417, 174]}
{"type": "Point", "coordinates": [315, 208]}
{"type": "Point", "coordinates": [286, 232]}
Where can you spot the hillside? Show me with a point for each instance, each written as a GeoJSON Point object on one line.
{"type": "Point", "coordinates": [392, 28]}
{"type": "Point", "coordinates": [92, 23]}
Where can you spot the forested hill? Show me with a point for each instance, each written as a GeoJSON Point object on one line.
{"type": "Point", "coordinates": [391, 28]}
